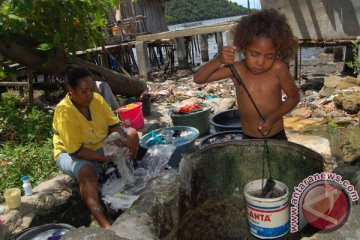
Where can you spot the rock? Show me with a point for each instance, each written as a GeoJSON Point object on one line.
{"type": "Point", "coordinates": [349, 102]}
{"type": "Point", "coordinates": [91, 233]}
{"type": "Point", "coordinates": [349, 172]}
{"type": "Point", "coordinates": [315, 84]}
{"type": "Point", "coordinates": [316, 143]}
{"type": "Point", "coordinates": [45, 196]}
{"type": "Point", "coordinates": [155, 213]}
{"type": "Point", "coordinates": [302, 113]}
{"type": "Point", "coordinates": [295, 123]}
{"type": "Point", "coordinates": [350, 150]}
{"type": "Point", "coordinates": [333, 83]}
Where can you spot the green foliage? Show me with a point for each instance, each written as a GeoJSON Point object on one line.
{"type": "Point", "coordinates": [17, 126]}
{"type": "Point", "coordinates": [181, 11]}
{"type": "Point", "coordinates": [333, 124]}
{"type": "Point", "coordinates": [32, 159]}
{"type": "Point", "coordinates": [355, 65]}
{"type": "Point", "coordinates": [26, 145]}
{"type": "Point", "coordinates": [58, 24]}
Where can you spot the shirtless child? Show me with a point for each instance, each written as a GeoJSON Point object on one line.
{"type": "Point", "coordinates": [267, 43]}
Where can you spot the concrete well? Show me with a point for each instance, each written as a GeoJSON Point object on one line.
{"type": "Point", "coordinates": [204, 199]}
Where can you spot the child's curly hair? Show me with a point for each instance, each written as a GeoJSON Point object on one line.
{"type": "Point", "coordinates": [267, 23]}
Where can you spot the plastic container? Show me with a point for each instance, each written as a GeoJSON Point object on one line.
{"type": "Point", "coordinates": [47, 231]}
{"type": "Point", "coordinates": [131, 115]}
{"type": "Point", "coordinates": [26, 186]}
{"type": "Point", "coordinates": [198, 120]}
{"type": "Point", "coordinates": [226, 120]}
{"type": "Point", "coordinates": [12, 197]}
{"type": "Point", "coordinates": [268, 218]}
{"type": "Point", "coordinates": [183, 146]}
{"type": "Point", "coordinates": [146, 106]}
{"type": "Point", "coordinates": [221, 137]}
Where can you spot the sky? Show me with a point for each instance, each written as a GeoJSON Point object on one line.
{"type": "Point", "coordinates": [253, 3]}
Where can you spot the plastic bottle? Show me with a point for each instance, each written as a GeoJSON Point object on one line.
{"type": "Point", "coordinates": [26, 186]}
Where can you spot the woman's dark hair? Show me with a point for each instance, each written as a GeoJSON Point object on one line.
{"type": "Point", "coordinates": [73, 75]}
{"type": "Point", "coordinates": [267, 23]}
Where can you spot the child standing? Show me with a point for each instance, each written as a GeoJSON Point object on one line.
{"type": "Point", "coordinates": [267, 43]}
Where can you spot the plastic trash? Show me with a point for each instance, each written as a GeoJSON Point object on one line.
{"type": "Point", "coordinates": [184, 137]}
{"type": "Point", "coordinates": [26, 186]}
{"type": "Point", "coordinates": [168, 135]}
{"type": "Point", "coordinates": [119, 191]}
{"type": "Point", "coordinates": [155, 139]}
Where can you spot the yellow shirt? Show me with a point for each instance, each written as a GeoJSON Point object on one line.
{"type": "Point", "coordinates": [72, 130]}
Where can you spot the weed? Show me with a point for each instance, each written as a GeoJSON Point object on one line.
{"type": "Point", "coordinates": [333, 124]}
{"type": "Point", "coordinates": [17, 126]}
{"type": "Point", "coordinates": [32, 159]}
{"type": "Point", "coordinates": [26, 145]}
{"type": "Point", "coordinates": [355, 65]}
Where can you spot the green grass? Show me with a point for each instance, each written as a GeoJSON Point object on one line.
{"type": "Point", "coordinates": [26, 145]}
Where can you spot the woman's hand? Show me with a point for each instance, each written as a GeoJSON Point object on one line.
{"type": "Point", "coordinates": [119, 142]}
{"type": "Point", "coordinates": [108, 158]}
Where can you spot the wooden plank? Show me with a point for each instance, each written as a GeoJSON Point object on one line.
{"type": "Point", "coordinates": [186, 32]}
{"type": "Point", "coordinates": [14, 84]}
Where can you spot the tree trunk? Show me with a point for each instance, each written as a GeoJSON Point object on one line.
{"type": "Point", "coordinates": [120, 83]}
{"type": "Point", "coordinates": [57, 64]}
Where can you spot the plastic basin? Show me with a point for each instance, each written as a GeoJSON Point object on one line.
{"type": "Point", "coordinates": [226, 120]}
{"type": "Point", "coordinates": [181, 148]}
{"type": "Point", "coordinates": [44, 231]}
{"type": "Point", "coordinates": [198, 120]}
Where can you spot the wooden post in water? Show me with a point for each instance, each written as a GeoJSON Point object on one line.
{"type": "Point", "coordinates": [296, 63]}
{"type": "Point", "coordinates": [204, 48]}
{"type": "Point", "coordinates": [219, 40]}
{"type": "Point", "coordinates": [181, 52]}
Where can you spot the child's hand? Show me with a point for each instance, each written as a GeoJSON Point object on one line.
{"type": "Point", "coordinates": [265, 127]}
{"type": "Point", "coordinates": [227, 55]}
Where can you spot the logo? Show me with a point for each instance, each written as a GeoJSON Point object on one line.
{"type": "Point", "coordinates": [322, 200]}
{"type": "Point", "coordinates": [325, 206]}
{"type": "Point", "coordinates": [259, 216]}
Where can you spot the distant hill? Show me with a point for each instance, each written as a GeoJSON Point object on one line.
{"type": "Point", "coordinates": [182, 11]}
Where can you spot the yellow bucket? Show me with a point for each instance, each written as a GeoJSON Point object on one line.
{"type": "Point", "coordinates": [12, 197]}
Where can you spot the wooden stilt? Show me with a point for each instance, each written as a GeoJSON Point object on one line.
{"type": "Point", "coordinates": [204, 48]}
{"type": "Point", "coordinates": [181, 52]}
{"type": "Point", "coordinates": [143, 61]}
{"type": "Point", "coordinates": [219, 40]}
{"type": "Point", "coordinates": [295, 67]}
{"type": "Point", "coordinates": [30, 90]}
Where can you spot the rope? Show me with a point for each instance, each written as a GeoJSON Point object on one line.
{"type": "Point", "coordinates": [263, 117]}
{"type": "Point", "coordinates": [241, 83]}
